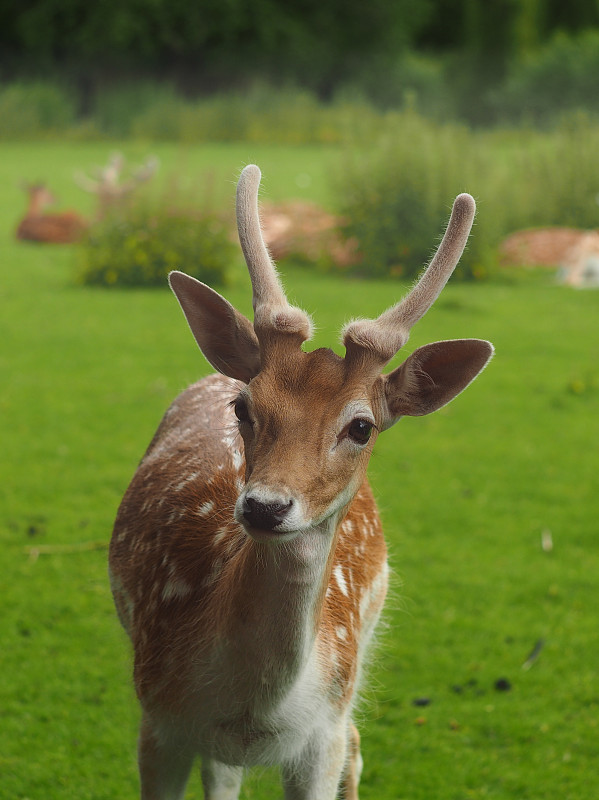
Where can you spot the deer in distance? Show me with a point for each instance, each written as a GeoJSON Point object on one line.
{"type": "Point", "coordinates": [39, 225]}
{"type": "Point", "coordinates": [62, 227]}
{"type": "Point", "coordinates": [247, 562]}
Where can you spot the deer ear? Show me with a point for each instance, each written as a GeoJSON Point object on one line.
{"type": "Point", "coordinates": [224, 336]}
{"type": "Point", "coordinates": [432, 376]}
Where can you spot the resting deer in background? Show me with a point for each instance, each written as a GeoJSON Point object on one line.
{"type": "Point", "coordinates": [247, 562]}
{"type": "Point", "coordinates": [39, 225]}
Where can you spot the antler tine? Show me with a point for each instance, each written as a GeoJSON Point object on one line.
{"type": "Point", "coordinates": [272, 312]}
{"type": "Point", "coordinates": [384, 336]}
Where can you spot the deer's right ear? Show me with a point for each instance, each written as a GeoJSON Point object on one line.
{"type": "Point", "coordinates": [226, 337]}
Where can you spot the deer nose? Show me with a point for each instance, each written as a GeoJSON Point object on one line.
{"type": "Point", "coordinates": [264, 516]}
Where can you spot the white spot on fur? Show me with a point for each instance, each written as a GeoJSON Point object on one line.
{"type": "Point", "coordinates": [122, 534]}
{"type": "Point", "coordinates": [175, 588]}
{"type": "Point", "coordinates": [341, 632]}
{"type": "Point", "coordinates": [189, 479]}
{"type": "Point", "coordinates": [374, 591]}
{"type": "Point", "coordinates": [146, 505]}
{"type": "Point", "coordinates": [237, 460]}
{"type": "Point", "coordinates": [350, 578]}
{"type": "Point", "coordinates": [340, 578]}
{"type": "Point", "coordinates": [205, 508]}
{"type": "Point", "coordinates": [219, 536]}
{"type": "Point", "coordinates": [214, 574]}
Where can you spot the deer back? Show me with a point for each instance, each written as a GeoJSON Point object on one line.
{"type": "Point", "coordinates": [39, 225]}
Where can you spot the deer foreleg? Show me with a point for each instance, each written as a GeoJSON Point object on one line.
{"type": "Point", "coordinates": [326, 766]}
{"type": "Point", "coordinates": [164, 764]}
{"type": "Point", "coordinates": [220, 781]}
{"type": "Point", "coordinates": [353, 766]}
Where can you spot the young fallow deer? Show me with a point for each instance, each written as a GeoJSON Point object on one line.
{"type": "Point", "coordinates": [248, 563]}
{"type": "Point", "coordinates": [39, 225]}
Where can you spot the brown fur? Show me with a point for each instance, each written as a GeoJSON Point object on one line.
{"type": "Point", "coordinates": [39, 225]}
{"type": "Point", "coordinates": [160, 537]}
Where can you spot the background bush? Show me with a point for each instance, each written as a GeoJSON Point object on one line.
{"type": "Point", "coordinates": [115, 109]}
{"type": "Point", "coordinates": [395, 194]}
{"type": "Point", "coordinates": [32, 109]}
{"type": "Point", "coordinates": [139, 243]}
{"type": "Point", "coordinates": [560, 80]}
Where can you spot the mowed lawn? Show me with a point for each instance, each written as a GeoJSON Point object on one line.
{"type": "Point", "coordinates": [484, 681]}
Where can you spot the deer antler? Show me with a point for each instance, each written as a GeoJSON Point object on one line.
{"type": "Point", "coordinates": [381, 338]}
{"type": "Point", "coordinates": [141, 174]}
{"type": "Point", "coordinates": [107, 185]}
{"type": "Point", "coordinates": [272, 312]}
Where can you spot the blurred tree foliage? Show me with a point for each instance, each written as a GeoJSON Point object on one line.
{"type": "Point", "coordinates": [322, 45]}
{"type": "Point", "coordinates": [313, 41]}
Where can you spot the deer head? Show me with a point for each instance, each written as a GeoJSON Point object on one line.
{"type": "Point", "coordinates": [40, 196]}
{"type": "Point", "coordinates": [309, 420]}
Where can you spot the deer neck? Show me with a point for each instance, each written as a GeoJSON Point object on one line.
{"type": "Point", "coordinates": [37, 205]}
{"type": "Point", "coordinates": [277, 602]}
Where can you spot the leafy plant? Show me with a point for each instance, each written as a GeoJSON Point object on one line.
{"type": "Point", "coordinates": [117, 109]}
{"type": "Point", "coordinates": [395, 195]}
{"type": "Point", "coordinates": [28, 109]}
{"type": "Point", "coordinates": [138, 244]}
{"type": "Point", "coordinates": [397, 192]}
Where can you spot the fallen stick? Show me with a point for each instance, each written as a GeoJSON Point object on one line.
{"type": "Point", "coordinates": [534, 654]}
{"type": "Point", "coordinates": [63, 549]}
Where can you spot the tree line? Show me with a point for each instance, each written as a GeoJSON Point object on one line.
{"type": "Point", "coordinates": [319, 43]}
{"type": "Point", "coordinates": [482, 60]}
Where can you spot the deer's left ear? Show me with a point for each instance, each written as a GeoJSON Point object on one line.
{"type": "Point", "coordinates": [432, 376]}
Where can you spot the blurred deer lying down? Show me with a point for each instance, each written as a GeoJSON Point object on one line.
{"type": "Point", "coordinates": [39, 225]}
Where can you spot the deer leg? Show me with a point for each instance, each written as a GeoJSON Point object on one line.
{"type": "Point", "coordinates": [318, 773]}
{"type": "Point", "coordinates": [164, 764]}
{"type": "Point", "coordinates": [220, 781]}
{"type": "Point", "coordinates": [353, 766]}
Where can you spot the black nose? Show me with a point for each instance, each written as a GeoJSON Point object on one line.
{"type": "Point", "coordinates": [265, 516]}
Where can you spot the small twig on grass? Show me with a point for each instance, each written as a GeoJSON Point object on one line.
{"type": "Point", "coordinates": [63, 549]}
{"type": "Point", "coordinates": [534, 654]}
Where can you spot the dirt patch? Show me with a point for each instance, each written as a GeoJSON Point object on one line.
{"type": "Point", "coordinates": [304, 230]}
{"type": "Point", "coordinates": [547, 247]}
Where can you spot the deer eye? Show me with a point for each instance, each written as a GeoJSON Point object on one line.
{"type": "Point", "coordinates": [241, 410]}
{"type": "Point", "coordinates": [360, 430]}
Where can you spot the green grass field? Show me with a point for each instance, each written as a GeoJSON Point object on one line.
{"type": "Point", "coordinates": [467, 495]}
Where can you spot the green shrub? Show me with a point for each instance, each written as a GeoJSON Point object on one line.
{"type": "Point", "coordinates": [30, 109]}
{"type": "Point", "coordinates": [262, 115]}
{"type": "Point", "coordinates": [161, 121]}
{"type": "Point", "coordinates": [396, 194]}
{"type": "Point", "coordinates": [117, 109]}
{"type": "Point", "coordinates": [138, 244]}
